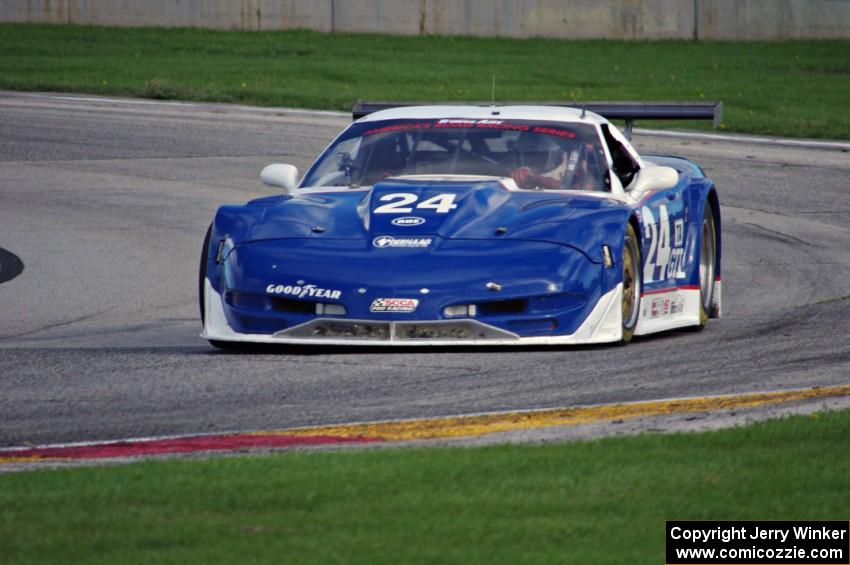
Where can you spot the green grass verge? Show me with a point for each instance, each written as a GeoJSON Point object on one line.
{"type": "Point", "coordinates": [798, 88]}
{"type": "Point", "coordinates": [601, 501]}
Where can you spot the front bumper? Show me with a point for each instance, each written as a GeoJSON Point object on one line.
{"type": "Point", "coordinates": [602, 325]}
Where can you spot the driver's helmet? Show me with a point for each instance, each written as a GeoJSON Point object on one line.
{"type": "Point", "coordinates": [542, 153]}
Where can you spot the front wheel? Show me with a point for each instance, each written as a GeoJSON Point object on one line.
{"type": "Point", "coordinates": [631, 283]}
{"type": "Point", "coordinates": [202, 274]}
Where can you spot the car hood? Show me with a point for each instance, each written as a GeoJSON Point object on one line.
{"type": "Point", "coordinates": [416, 208]}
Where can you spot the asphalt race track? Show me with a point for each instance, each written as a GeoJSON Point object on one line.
{"type": "Point", "coordinates": [106, 203]}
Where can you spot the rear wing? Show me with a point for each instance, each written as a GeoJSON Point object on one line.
{"type": "Point", "coordinates": [627, 111]}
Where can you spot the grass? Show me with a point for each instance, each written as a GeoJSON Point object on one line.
{"type": "Point", "coordinates": [798, 88]}
{"type": "Point", "coordinates": [601, 501]}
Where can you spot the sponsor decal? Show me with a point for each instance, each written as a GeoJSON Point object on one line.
{"type": "Point", "coordinates": [302, 290]}
{"type": "Point", "coordinates": [408, 221]}
{"type": "Point", "coordinates": [480, 124]}
{"type": "Point", "coordinates": [399, 127]}
{"type": "Point", "coordinates": [464, 123]}
{"type": "Point", "coordinates": [678, 233]}
{"type": "Point", "coordinates": [408, 242]}
{"type": "Point", "coordinates": [676, 266]}
{"type": "Point", "coordinates": [404, 305]}
{"type": "Point", "coordinates": [665, 306]}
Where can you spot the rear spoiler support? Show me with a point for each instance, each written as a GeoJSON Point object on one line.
{"type": "Point", "coordinates": [627, 111]}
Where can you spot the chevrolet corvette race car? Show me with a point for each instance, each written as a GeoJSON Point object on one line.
{"type": "Point", "coordinates": [470, 225]}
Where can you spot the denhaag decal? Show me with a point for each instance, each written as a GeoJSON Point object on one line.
{"type": "Point", "coordinates": [663, 260]}
{"type": "Point", "coordinates": [390, 241]}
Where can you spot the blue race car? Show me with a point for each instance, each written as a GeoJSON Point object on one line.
{"type": "Point", "coordinates": [470, 225]}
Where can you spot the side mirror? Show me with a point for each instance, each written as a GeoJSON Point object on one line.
{"type": "Point", "coordinates": [655, 177]}
{"type": "Point", "coordinates": [282, 176]}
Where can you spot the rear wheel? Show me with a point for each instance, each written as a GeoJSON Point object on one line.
{"type": "Point", "coordinates": [631, 283]}
{"type": "Point", "coordinates": [707, 264]}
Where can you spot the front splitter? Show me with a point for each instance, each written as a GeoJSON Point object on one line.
{"type": "Point", "coordinates": [603, 325]}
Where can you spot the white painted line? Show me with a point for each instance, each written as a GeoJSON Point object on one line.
{"type": "Point", "coordinates": [145, 102]}
{"type": "Point", "coordinates": [727, 138]}
{"type": "Point", "coordinates": [148, 439]}
{"type": "Point", "coordinates": [750, 140]}
{"type": "Point", "coordinates": [114, 100]}
{"type": "Point", "coordinates": [96, 443]}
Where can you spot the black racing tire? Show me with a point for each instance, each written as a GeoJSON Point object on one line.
{"type": "Point", "coordinates": [202, 275]}
{"type": "Point", "coordinates": [707, 264]}
{"type": "Point", "coordinates": [231, 345]}
{"type": "Point", "coordinates": [631, 278]}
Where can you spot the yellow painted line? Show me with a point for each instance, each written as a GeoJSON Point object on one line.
{"type": "Point", "coordinates": [467, 426]}
{"type": "Point", "coordinates": [27, 459]}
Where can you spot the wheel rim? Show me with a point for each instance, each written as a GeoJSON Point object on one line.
{"type": "Point", "coordinates": [706, 264]}
{"type": "Point", "coordinates": [631, 284]}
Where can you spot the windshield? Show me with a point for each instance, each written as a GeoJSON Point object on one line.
{"type": "Point", "coordinates": [534, 154]}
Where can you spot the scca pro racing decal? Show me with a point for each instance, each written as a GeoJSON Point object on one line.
{"type": "Point", "coordinates": [402, 305]}
{"type": "Point", "coordinates": [302, 290]}
{"type": "Point", "coordinates": [409, 242]}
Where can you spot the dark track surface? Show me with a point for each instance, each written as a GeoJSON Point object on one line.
{"type": "Point", "coordinates": [107, 203]}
